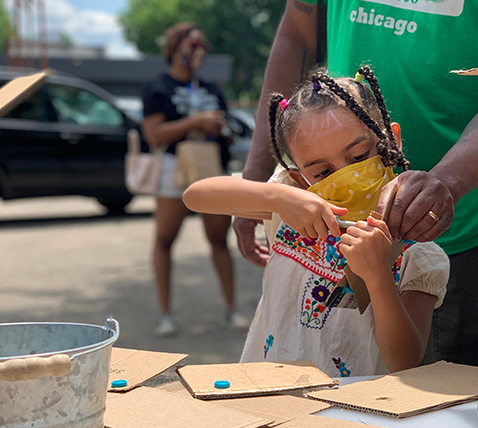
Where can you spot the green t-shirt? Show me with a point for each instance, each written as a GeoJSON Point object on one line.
{"type": "Point", "coordinates": [412, 45]}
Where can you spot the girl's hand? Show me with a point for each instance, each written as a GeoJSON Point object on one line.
{"type": "Point", "coordinates": [366, 246]}
{"type": "Point", "coordinates": [307, 213]}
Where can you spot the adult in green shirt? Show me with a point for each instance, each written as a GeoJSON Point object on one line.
{"type": "Point", "coordinates": [412, 45]}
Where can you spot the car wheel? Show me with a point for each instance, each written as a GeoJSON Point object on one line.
{"type": "Point", "coordinates": [115, 204]}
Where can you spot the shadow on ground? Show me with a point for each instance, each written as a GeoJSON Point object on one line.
{"type": "Point", "coordinates": [104, 270]}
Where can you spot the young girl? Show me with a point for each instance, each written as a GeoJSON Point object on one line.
{"type": "Point", "coordinates": [337, 149]}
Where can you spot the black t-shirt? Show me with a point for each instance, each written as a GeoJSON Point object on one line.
{"type": "Point", "coordinates": [178, 99]}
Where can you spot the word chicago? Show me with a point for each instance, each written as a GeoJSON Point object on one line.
{"type": "Point", "coordinates": [398, 25]}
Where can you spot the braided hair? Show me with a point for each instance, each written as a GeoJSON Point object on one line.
{"type": "Point", "coordinates": [321, 93]}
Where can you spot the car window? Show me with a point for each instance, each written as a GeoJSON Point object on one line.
{"type": "Point", "coordinates": [32, 109]}
{"type": "Point", "coordinates": [74, 105]}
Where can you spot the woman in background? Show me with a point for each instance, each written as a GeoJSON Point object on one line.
{"type": "Point", "coordinates": [174, 104]}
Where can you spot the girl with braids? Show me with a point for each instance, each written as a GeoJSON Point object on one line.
{"type": "Point", "coordinates": [336, 148]}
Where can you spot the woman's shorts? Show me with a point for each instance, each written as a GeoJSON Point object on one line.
{"type": "Point", "coordinates": [167, 179]}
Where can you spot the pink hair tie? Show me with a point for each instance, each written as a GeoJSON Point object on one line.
{"type": "Point", "coordinates": [283, 104]}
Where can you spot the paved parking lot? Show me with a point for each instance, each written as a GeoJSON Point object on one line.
{"type": "Point", "coordinates": [63, 259]}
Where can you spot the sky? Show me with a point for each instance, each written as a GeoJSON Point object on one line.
{"type": "Point", "coordinates": [89, 23]}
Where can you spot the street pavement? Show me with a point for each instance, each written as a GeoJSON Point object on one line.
{"type": "Point", "coordinates": [63, 259]}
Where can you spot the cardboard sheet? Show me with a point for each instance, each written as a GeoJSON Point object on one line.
{"type": "Point", "coordinates": [357, 284]}
{"type": "Point", "coordinates": [277, 408]}
{"type": "Point", "coordinates": [409, 392]}
{"type": "Point", "coordinates": [251, 379]}
{"type": "Point", "coordinates": [149, 407]}
{"type": "Point", "coordinates": [470, 72]}
{"type": "Point", "coordinates": [137, 367]}
{"type": "Point", "coordinates": [321, 422]}
{"type": "Point", "coordinates": [18, 90]}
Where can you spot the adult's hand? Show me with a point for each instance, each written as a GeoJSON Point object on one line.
{"type": "Point", "coordinates": [210, 122]}
{"type": "Point", "coordinates": [250, 248]}
{"type": "Point", "coordinates": [419, 196]}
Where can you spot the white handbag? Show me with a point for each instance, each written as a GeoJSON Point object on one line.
{"type": "Point", "coordinates": [142, 170]}
{"type": "Point", "coordinates": [197, 160]}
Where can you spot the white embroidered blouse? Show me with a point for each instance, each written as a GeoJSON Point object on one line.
{"type": "Point", "coordinates": [292, 322]}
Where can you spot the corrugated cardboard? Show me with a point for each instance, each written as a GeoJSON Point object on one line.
{"type": "Point", "coordinates": [409, 392]}
{"type": "Point", "coordinates": [357, 284]}
{"type": "Point", "coordinates": [470, 72]}
{"type": "Point", "coordinates": [277, 408]}
{"type": "Point", "coordinates": [251, 379]}
{"type": "Point", "coordinates": [149, 407]}
{"type": "Point", "coordinates": [137, 367]}
{"type": "Point", "coordinates": [321, 422]}
{"type": "Point", "coordinates": [18, 90]}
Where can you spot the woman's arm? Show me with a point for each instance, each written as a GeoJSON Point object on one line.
{"type": "Point", "coordinates": [304, 211]}
{"type": "Point", "coordinates": [158, 131]}
{"type": "Point", "coordinates": [402, 323]}
{"type": "Point", "coordinates": [292, 56]}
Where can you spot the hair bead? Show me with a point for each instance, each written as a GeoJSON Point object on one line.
{"type": "Point", "coordinates": [283, 104]}
{"type": "Point", "coordinates": [359, 77]}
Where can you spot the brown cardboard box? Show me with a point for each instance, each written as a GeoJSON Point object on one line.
{"type": "Point", "coordinates": [251, 379]}
{"type": "Point", "coordinates": [18, 90]}
{"type": "Point", "coordinates": [470, 72]}
{"type": "Point", "coordinates": [276, 408]}
{"type": "Point", "coordinates": [149, 407]}
{"type": "Point", "coordinates": [321, 422]}
{"type": "Point", "coordinates": [409, 392]}
{"type": "Point", "coordinates": [137, 367]}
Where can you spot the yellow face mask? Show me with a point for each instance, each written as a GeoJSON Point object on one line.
{"type": "Point", "coordinates": [355, 187]}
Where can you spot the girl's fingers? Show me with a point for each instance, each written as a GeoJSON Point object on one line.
{"type": "Point", "coordinates": [337, 210]}
{"type": "Point", "coordinates": [331, 222]}
{"type": "Point", "coordinates": [303, 232]}
{"type": "Point", "coordinates": [322, 229]}
{"type": "Point", "coordinates": [380, 225]}
{"type": "Point", "coordinates": [311, 232]}
{"type": "Point", "coordinates": [347, 239]}
{"type": "Point", "coordinates": [358, 230]}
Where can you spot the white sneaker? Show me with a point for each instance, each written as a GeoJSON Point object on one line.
{"type": "Point", "coordinates": [166, 327]}
{"type": "Point", "coordinates": [236, 321]}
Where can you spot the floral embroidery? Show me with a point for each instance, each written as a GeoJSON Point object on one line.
{"type": "Point", "coordinates": [398, 263]}
{"type": "Point", "coordinates": [313, 313]}
{"type": "Point", "coordinates": [344, 372]}
{"type": "Point", "coordinates": [320, 256]}
{"type": "Point", "coordinates": [320, 293]}
{"type": "Point", "coordinates": [267, 346]}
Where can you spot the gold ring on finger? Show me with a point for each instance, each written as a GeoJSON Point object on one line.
{"type": "Point", "coordinates": [433, 215]}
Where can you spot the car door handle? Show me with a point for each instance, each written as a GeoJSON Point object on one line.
{"type": "Point", "coordinates": [71, 138]}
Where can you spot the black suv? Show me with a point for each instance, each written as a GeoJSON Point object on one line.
{"type": "Point", "coordinates": [68, 138]}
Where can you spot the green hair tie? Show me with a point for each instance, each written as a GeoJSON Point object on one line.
{"type": "Point", "coordinates": [358, 77]}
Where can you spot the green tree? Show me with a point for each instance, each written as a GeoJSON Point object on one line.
{"type": "Point", "coordinates": [242, 28]}
{"type": "Point", "coordinates": [4, 25]}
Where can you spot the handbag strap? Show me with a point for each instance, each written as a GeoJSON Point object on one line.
{"type": "Point", "coordinates": [134, 144]}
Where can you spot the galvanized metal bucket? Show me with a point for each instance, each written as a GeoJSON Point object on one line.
{"type": "Point", "coordinates": [54, 374]}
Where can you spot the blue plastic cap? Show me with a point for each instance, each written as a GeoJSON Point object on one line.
{"type": "Point", "coordinates": [222, 384]}
{"type": "Point", "coordinates": [119, 383]}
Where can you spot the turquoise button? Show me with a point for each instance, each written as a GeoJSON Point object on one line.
{"type": "Point", "coordinates": [119, 383]}
{"type": "Point", "coordinates": [222, 384]}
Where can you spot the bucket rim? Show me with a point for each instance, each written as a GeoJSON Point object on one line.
{"type": "Point", "coordinates": [111, 325]}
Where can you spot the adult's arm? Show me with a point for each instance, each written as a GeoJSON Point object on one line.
{"type": "Point", "coordinates": [292, 56]}
{"type": "Point", "coordinates": [437, 191]}
{"type": "Point", "coordinates": [158, 131]}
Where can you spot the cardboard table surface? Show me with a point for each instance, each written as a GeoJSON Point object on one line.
{"type": "Point", "coordinates": [462, 416]}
